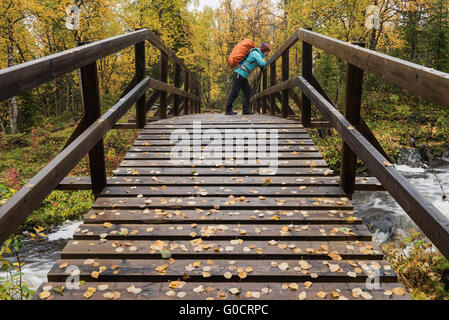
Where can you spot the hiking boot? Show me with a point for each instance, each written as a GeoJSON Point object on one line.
{"type": "Point", "coordinates": [247, 112]}
{"type": "Point", "coordinates": [230, 113]}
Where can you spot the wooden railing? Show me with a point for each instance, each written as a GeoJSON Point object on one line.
{"type": "Point", "coordinates": [358, 140]}
{"type": "Point", "coordinates": [88, 136]}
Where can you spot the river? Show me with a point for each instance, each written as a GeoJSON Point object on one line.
{"type": "Point", "coordinates": [378, 209]}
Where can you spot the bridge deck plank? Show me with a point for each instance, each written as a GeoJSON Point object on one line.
{"type": "Point", "coordinates": [277, 232]}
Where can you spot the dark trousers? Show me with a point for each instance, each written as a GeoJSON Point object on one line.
{"type": "Point", "coordinates": [239, 82]}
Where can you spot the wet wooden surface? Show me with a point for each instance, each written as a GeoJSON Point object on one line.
{"type": "Point", "coordinates": [160, 230]}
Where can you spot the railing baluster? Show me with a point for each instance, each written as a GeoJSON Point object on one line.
{"type": "Point", "coordinates": [306, 113]}
{"type": "Point", "coordinates": [272, 83]}
{"type": "Point", "coordinates": [285, 75]}
{"type": "Point", "coordinates": [192, 85]}
{"type": "Point", "coordinates": [92, 111]}
{"type": "Point", "coordinates": [141, 113]}
{"type": "Point", "coordinates": [199, 95]}
{"type": "Point", "coordinates": [192, 91]}
{"type": "Point", "coordinates": [186, 89]}
{"type": "Point", "coordinates": [177, 85]}
{"type": "Point", "coordinates": [196, 102]}
{"type": "Point", "coordinates": [253, 91]}
{"type": "Point", "coordinates": [354, 83]}
{"type": "Point", "coordinates": [164, 78]}
{"type": "Point", "coordinates": [264, 86]}
{"type": "Point", "coordinates": [259, 100]}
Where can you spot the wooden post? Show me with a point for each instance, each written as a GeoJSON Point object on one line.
{"type": "Point", "coordinates": [306, 113]}
{"type": "Point", "coordinates": [348, 169]}
{"type": "Point", "coordinates": [285, 75]}
{"type": "Point", "coordinates": [140, 75]}
{"type": "Point", "coordinates": [272, 83]}
{"type": "Point", "coordinates": [253, 92]}
{"type": "Point", "coordinates": [192, 91]}
{"type": "Point", "coordinates": [264, 87]}
{"type": "Point", "coordinates": [199, 95]}
{"type": "Point", "coordinates": [164, 78]}
{"type": "Point", "coordinates": [259, 100]}
{"type": "Point", "coordinates": [92, 111]}
{"type": "Point", "coordinates": [186, 89]}
{"type": "Point", "coordinates": [176, 99]}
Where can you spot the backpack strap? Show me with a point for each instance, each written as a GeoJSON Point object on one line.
{"type": "Point", "coordinates": [243, 65]}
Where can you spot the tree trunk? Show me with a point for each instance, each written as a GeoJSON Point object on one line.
{"type": "Point", "coordinates": [12, 102]}
{"type": "Point", "coordinates": [2, 127]}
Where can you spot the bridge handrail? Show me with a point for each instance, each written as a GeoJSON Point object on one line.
{"type": "Point", "coordinates": [88, 136]}
{"type": "Point", "coordinates": [358, 140]}
{"type": "Point", "coordinates": [426, 82]}
{"type": "Point", "coordinates": [426, 216]}
{"type": "Point", "coordinates": [23, 77]}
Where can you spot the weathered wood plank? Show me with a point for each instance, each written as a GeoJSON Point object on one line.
{"type": "Point", "coordinates": [209, 191]}
{"type": "Point", "coordinates": [250, 147]}
{"type": "Point", "coordinates": [182, 249]}
{"type": "Point", "coordinates": [296, 155]}
{"type": "Point", "coordinates": [211, 171]}
{"type": "Point", "coordinates": [204, 130]}
{"type": "Point", "coordinates": [316, 271]}
{"type": "Point", "coordinates": [221, 291]}
{"type": "Point", "coordinates": [277, 202]}
{"type": "Point", "coordinates": [426, 82]}
{"type": "Point", "coordinates": [215, 231]}
{"type": "Point", "coordinates": [23, 77]}
{"type": "Point", "coordinates": [205, 142]}
{"type": "Point", "coordinates": [200, 216]}
{"type": "Point", "coordinates": [241, 136]}
{"type": "Point", "coordinates": [83, 183]}
{"type": "Point", "coordinates": [225, 163]}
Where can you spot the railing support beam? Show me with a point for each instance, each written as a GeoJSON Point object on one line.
{"type": "Point", "coordinates": [354, 84]}
{"type": "Point", "coordinates": [92, 111]}
{"type": "Point", "coordinates": [306, 112]}
{"type": "Point", "coordinates": [176, 99]}
{"type": "Point", "coordinates": [272, 83]}
{"type": "Point", "coordinates": [141, 113]}
{"type": "Point", "coordinates": [264, 87]}
{"type": "Point", "coordinates": [285, 76]}
{"type": "Point", "coordinates": [186, 89]}
{"type": "Point", "coordinates": [164, 78]}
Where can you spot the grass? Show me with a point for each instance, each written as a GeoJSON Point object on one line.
{"type": "Point", "coordinates": [24, 155]}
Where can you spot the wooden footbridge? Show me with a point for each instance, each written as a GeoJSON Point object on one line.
{"type": "Point", "coordinates": [161, 229]}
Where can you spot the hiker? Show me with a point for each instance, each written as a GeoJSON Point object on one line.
{"type": "Point", "coordinates": [240, 77]}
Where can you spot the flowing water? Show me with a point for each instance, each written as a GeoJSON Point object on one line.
{"type": "Point", "coordinates": [40, 257]}
{"type": "Point", "coordinates": [378, 209]}
{"type": "Point", "coordinates": [383, 214]}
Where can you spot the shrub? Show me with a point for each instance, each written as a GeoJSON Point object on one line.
{"type": "Point", "coordinates": [419, 266]}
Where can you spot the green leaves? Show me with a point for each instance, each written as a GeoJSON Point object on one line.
{"type": "Point", "coordinates": [166, 254]}
{"type": "Point", "coordinates": [12, 285]}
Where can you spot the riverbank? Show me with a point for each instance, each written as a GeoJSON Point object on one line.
{"type": "Point", "coordinates": [421, 268]}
